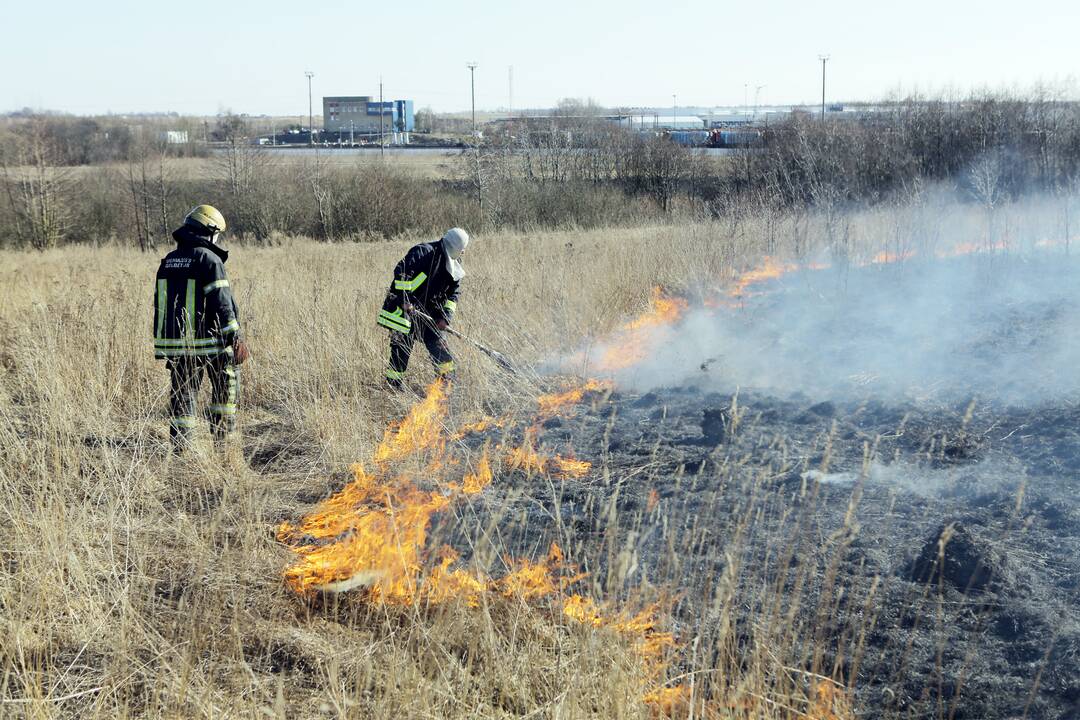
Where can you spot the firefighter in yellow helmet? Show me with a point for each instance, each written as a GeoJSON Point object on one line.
{"type": "Point", "coordinates": [197, 326]}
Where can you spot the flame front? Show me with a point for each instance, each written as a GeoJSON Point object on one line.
{"type": "Point", "coordinates": [769, 269]}
{"type": "Point", "coordinates": [635, 340]}
{"type": "Point", "coordinates": [373, 532]}
{"type": "Point", "coordinates": [555, 403]}
{"type": "Point", "coordinates": [422, 427]}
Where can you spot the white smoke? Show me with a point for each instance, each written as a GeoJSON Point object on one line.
{"type": "Point", "coordinates": [999, 324]}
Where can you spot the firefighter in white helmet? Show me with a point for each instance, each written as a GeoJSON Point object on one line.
{"type": "Point", "coordinates": [426, 280]}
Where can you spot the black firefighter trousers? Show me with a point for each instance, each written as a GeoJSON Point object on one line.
{"type": "Point", "coordinates": [186, 376]}
{"type": "Point", "coordinates": [401, 345]}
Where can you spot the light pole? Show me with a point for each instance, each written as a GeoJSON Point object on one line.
{"type": "Point", "coordinates": [310, 111]}
{"type": "Point", "coordinates": [824, 59]}
{"type": "Point", "coordinates": [674, 116]}
{"type": "Point", "coordinates": [757, 93]}
{"type": "Point", "coordinates": [472, 89]}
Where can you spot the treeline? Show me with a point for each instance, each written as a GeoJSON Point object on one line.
{"type": "Point", "coordinates": [990, 147]}
{"type": "Point", "coordinates": [73, 141]}
{"type": "Point", "coordinates": [572, 170]}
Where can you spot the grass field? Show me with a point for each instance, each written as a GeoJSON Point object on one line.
{"type": "Point", "coordinates": [136, 585]}
{"type": "Point", "coordinates": [133, 584]}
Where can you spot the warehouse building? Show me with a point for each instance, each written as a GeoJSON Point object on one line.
{"type": "Point", "coordinates": [659, 121]}
{"type": "Point", "coordinates": [361, 115]}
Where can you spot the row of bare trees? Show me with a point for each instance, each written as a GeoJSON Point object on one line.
{"type": "Point", "coordinates": [572, 169]}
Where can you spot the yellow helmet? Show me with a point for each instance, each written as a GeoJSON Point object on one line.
{"type": "Point", "coordinates": [206, 217]}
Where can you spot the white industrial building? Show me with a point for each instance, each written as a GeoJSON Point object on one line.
{"type": "Point", "coordinates": [659, 121]}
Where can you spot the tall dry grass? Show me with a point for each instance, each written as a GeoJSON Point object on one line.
{"type": "Point", "coordinates": [134, 584]}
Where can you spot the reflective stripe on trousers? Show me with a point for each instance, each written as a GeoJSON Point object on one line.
{"type": "Point", "coordinates": [401, 349]}
{"type": "Point", "coordinates": [186, 377]}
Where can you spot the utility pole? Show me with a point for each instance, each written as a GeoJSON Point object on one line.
{"type": "Point", "coordinates": [757, 93]}
{"type": "Point", "coordinates": [824, 59]}
{"type": "Point", "coordinates": [472, 84]}
{"type": "Point", "coordinates": [511, 92]}
{"type": "Point", "coordinates": [382, 114]}
{"type": "Point", "coordinates": [310, 111]}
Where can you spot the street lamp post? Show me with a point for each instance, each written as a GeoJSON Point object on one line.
{"type": "Point", "coordinates": [674, 112]}
{"type": "Point", "coordinates": [310, 110]}
{"type": "Point", "coordinates": [824, 59]}
{"type": "Point", "coordinates": [472, 90]}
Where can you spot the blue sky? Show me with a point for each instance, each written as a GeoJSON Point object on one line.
{"type": "Point", "coordinates": [202, 57]}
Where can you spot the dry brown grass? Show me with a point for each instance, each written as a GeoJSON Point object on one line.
{"type": "Point", "coordinates": [135, 585]}
{"type": "Point", "coordinates": [423, 164]}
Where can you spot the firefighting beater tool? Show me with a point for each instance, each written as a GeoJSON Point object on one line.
{"type": "Point", "coordinates": [498, 357]}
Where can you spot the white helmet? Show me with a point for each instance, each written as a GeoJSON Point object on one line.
{"type": "Point", "coordinates": [454, 243]}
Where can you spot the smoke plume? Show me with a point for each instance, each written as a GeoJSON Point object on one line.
{"type": "Point", "coordinates": [980, 319]}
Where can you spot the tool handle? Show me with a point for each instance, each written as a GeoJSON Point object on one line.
{"type": "Point", "coordinates": [498, 357]}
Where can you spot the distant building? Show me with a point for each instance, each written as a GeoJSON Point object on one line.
{"type": "Point", "coordinates": [660, 121]}
{"type": "Point", "coordinates": [173, 137]}
{"type": "Point", "coordinates": [361, 115]}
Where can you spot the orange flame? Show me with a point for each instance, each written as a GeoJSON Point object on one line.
{"type": "Point", "coordinates": [379, 530]}
{"type": "Point", "coordinates": [421, 428]}
{"type": "Point", "coordinates": [769, 269]}
{"type": "Point", "coordinates": [570, 467]}
{"type": "Point", "coordinates": [526, 459]}
{"type": "Point", "coordinates": [885, 257]}
{"type": "Point", "coordinates": [651, 645]}
{"type": "Point", "coordinates": [634, 341]}
{"type": "Point", "coordinates": [532, 580]}
{"type": "Point", "coordinates": [830, 702]}
{"type": "Point", "coordinates": [474, 482]}
{"type": "Point", "coordinates": [372, 534]}
{"type": "Point", "coordinates": [554, 403]}
{"type": "Point", "coordinates": [669, 701]}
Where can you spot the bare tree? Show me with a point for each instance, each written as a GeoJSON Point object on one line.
{"type": "Point", "coordinates": [147, 180]}
{"type": "Point", "coordinates": [246, 173]}
{"type": "Point", "coordinates": [986, 186]}
{"type": "Point", "coordinates": [36, 187]}
{"type": "Point", "coordinates": [660, 167]}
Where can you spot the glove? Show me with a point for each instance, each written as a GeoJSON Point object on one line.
{"type": "Point", "coordinates": [442, 324]}
{"type": "Point", "coordinates": [240, 352]}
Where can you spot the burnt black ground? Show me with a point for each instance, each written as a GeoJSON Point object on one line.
{"type": "Point", "coordinates": [827, 514]}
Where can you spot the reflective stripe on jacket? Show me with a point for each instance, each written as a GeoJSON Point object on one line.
{"type": "Point", "coordinates": [423, 277]}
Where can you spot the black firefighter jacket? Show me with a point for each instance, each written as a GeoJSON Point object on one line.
{"type": "Point", "coordinates": [195, 314]}
{"type": "Point", "coordinates": [422, 276]}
